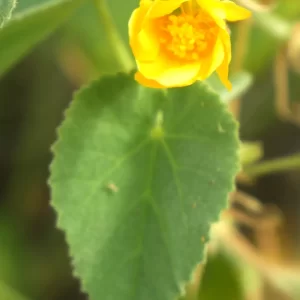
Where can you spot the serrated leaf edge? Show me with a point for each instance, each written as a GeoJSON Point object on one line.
{"type": "Point", "coordinates": [60, 214]}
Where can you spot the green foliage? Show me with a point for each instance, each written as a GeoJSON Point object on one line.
{"type": "Point", "coordinates": [25, 30]}
{"type": "Point", "coordinates": [25, 5]}
{"type": "Point", "coordinates": [220, 271]}
{"type": "Point", "coordinates": [137, 179]}
{"type": "Point", "coordinates": [138, 175]}
{"type": "Point", "coordinates": [88, 29]}
{"type": "Point", "coordinates": [8, 293]}
{"type": "Point", "coordinates": [6, 8]}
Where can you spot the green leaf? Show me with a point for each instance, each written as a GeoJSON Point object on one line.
{"type": "Point", "coordinates": [6, 8]}
{"type": "Point", "coordinates": [138, 176]}
{"type": "Point", "coordinates": [7, 293]}
{"type": "Point", "coordinates": [25, 30]}
{"type": "Point", "coordinates": [221, 279]}
{"type": "Point", "coordinates": [31, 4]}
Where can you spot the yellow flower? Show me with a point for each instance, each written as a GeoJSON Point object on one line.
{"type": "Point", "coordinates": [176, 42]}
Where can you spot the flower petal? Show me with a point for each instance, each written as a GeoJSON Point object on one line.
{"type": "Point", "coordinates": [147, 82]}
{"type": "Point", "coordinates": [208, 3]}
{"type": "Point", "coordinates": [144, 44]}
{"type": "Point", "coordinates": [152, 69]}
{"type": "Point", "coordinates": [222, 72]}
{"type": "Point", "coordinates": [137, 18]}
{"type": "Point", "coordinates": [210, 64]}
{"type": "Point", "coordinates": [212, 7]}
{"type": "Point", "coordinates": [182, 75]}
{"type": "Point", "coordinates": [224, 10]}
{"type": "Point", "coordinates": [169, 73]}
{"type": "Point", "coordinates": [223, 69]}
{"type": "Point", "coordinates": [234, 12]}
{"type": "Point", "coordinates": [162, 8]}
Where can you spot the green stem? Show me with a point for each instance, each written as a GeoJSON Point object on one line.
{"type": "Point", "coordinates": [114, 38]}
{"type": "Point", "coordinates": [6, 9]}
{"type": "Point", "coordinates": [273, 166]}
{"type": "Point", "coordinates": [273, 25]}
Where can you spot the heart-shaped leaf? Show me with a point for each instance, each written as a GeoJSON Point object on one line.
{"type": "Point", "coordinates": [138, 177]}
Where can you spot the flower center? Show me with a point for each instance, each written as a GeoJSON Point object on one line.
{"type": "Point", "coordinates": [187, 37]}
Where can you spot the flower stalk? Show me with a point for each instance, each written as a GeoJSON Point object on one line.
{"type": "Point", "coordinates": [121, 53]}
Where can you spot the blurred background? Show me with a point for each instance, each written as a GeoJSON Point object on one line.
{"type": "Point", "coordinates": [34, 262]}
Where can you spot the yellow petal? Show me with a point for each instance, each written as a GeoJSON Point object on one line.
{"type": "Point", "coordinates": [179, 76]}
{"type": "Point", "coordinates": [152, 69]}
{"type": "Point", "coordinates": [225, 37]}
{"type": "Point", "coordinates": [162, 8]}
{"type": "Point", "coordinates": [234, 12]}
{"type": "Point", "coordinates": [147, 82]}
{"type": "Point", "coordinates": [212, 8]}
{"type": "Point", "coordinates": [144, 44]}
{"type": "Point", "coordinates": [222, 72]}
{"type": "Point", "coordinates": [223, 69]}
{"type": "Point", "coordinates": [169, 73]}
{"type": "Point", "coordinates": [220, 10]}
{"type": "Point", "coordinates": [137, 18]}
{"type": "Point", "coordinates": [207, 3]}
{"type": "Point", "coordinates": [211, 63]}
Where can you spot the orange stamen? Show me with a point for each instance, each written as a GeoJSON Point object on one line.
{"type": "Point", "coordinates": [186, 36]}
